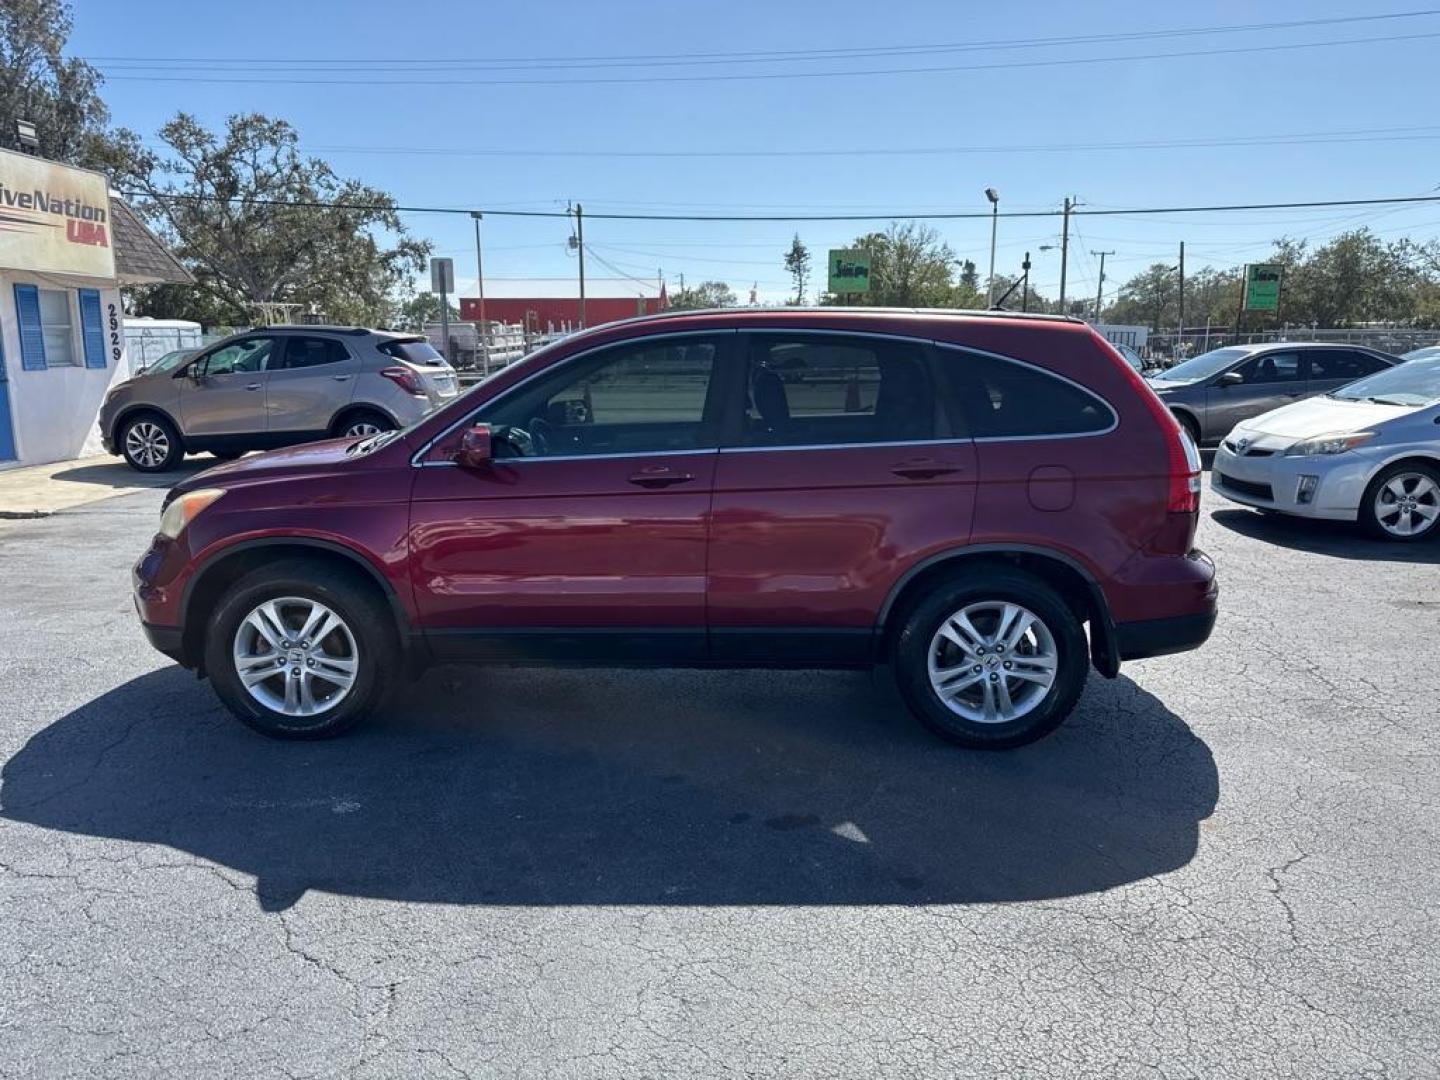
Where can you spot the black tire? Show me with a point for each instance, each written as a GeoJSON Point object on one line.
{"type": "Point", "coordinates": [226, 455]}
{"type": "Point", "coordinates": [1370, 517]}
{"type": "Point", "coordinates": [364, 613]}
{"type": "Point", "coordinates": [149, 443]}
{"type": "Point", "coordinates": [911, 655]}
{"type": "Point", "coordinates": [363, 418]}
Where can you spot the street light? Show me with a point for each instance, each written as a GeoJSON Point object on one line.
{"type": "Point", "coordinates": [994, 197]}
{"type": "Point", "coordinates": [480, 288]}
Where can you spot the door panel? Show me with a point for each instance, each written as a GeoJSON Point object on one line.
{"type": "Point", "coordinates": [1271, 380]}
{"type": "Point", "coordinates": [223, 392]}
{"type": "Point", "coordinates": [314, 382]}
{"type": "Point", "coordinates": [560, 548]}
{"type": "Point", "coordinates": [847, 469]}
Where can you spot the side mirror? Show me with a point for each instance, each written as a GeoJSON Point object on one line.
{"type": "Point", "coordinates": [1230, 378]}
{"type": "Point", "coordinates": [475, 451]}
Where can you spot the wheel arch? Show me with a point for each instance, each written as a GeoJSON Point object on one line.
{"type": "Point", "coordinates": [222, 569]}
{"type": "Point", "coordinates": [1075, 584]}
{"type": "Point", "coordinates": [138, 408]}
{"type": "Point", "coordinates": [1187, 416]}
{"type": "Point", "coordinates": [350, 408]}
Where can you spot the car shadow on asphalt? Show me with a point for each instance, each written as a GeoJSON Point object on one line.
{"type": "Point", "coordinates": [1340, 539]}
{"type": "Point", "coordinates": [516, 787]}
{"type": "Point", "coordinates": [118, 474]}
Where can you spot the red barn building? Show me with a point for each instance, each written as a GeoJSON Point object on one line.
{"type": "Point", "coordinates": [551, 304]}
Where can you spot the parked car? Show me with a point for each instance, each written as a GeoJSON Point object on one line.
{"type": "Point", "coordinates": [274, 387]}
{"type": "Point", "coordinates": [1211, 393]}
{"type": "Point", "coordinates": [1420, 354]}
{"type": "Point", "coordinates": [956, 495]}
{"type": "Point", "coordinates": [1368, 452]}
{"type": "Point", "coordinates": [1131, 355]}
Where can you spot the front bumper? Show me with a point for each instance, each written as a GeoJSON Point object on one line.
{"type": "Point", "coordinates": [169, 640]}
{"type": "Point", "coordinates": [1272, 482]}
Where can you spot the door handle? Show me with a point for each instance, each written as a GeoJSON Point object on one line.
{"type": "Point", "coordinates": [253, 386]}
{"type": "Point", "coordinates": [924, 469]}
{"type": "Point", "coordinates": [661, 477]}
{"type": "Point", "coordinates": [341, 378]}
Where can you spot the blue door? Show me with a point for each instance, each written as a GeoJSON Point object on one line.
{"type": "Point", "coordinates": [7, 423]}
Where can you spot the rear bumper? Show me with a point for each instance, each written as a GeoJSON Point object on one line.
{"type": "Point", "coordinates": [1160, 637]}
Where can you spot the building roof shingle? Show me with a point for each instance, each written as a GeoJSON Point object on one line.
{"type": "Point", "coordinates": [140, 256]}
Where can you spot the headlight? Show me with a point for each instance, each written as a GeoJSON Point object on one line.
{"type": "Point", "coordinates": [1336, 443]}
{"type": "Point", "coordinates": [183, 509]}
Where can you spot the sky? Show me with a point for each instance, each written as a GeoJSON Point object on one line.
{"type": "Point", "coordinates": [478, 106]}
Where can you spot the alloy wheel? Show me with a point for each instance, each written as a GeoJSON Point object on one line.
{"type": "Point", "coordinates": [147, 444]}
{"type": "Point", "coordinates": [362, 427]}
{"type": "Point", "coordinates": [1407, 504]}
{"type": "Point", "coordinates": [296, 656]}
{"type": "Point", "coordinates": [992, 662]}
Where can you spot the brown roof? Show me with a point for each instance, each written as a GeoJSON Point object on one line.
{"type": "Point", "coordinates": [140, 257]}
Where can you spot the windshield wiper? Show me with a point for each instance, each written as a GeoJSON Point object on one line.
{"type": "Point", "coordinates": [1384, 401]}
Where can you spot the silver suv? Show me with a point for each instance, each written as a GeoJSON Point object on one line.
{"type": "Point", "coordinates": [275, 387]}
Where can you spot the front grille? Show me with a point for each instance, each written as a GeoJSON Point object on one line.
{"type": "Point", "coordinates": [1245, 487]}
{"type": "Point", "coordinates": [1249, 451]}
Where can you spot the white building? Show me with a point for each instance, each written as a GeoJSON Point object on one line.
{"type": "Point", "coordinates": [66, 247]}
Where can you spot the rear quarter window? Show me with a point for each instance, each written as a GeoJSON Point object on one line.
{"type": "Point", "coordinates": [1001, 398]}
{"type": "Point", "coordinates": [415, 352]}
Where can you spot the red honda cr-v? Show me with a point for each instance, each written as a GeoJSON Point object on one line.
{"type": "Point", "coordinates": [958, 495]}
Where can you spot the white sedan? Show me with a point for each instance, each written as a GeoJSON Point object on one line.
{"type": "Point", "coordinates": [1369, 451]}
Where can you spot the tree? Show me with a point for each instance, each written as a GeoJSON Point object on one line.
{"type": "Point", "coordinates": [422, 308]}
{"type": "Point", "coordinates": [258, 224]}
{"type": "Point", "coordinates": [708, 294]}
{"type": "Point", "coordinates": [970, 277]}
{"type": "Point", "coordinates": [797, 263]}
{"type": "Point", "coordinates": [1152, 296]}
{"type": "Point", "coordinates": [37, 83]}
{"type": "Point", "coordinates": [910, 266]}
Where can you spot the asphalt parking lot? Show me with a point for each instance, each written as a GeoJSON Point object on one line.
{"type": "Point", "coordinates": [1225, 864]}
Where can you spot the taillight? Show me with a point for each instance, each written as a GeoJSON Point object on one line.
{"type": "Point", "coordinates": [405, 379]}
{"type": "Point", "coordinates": [1184, 496]}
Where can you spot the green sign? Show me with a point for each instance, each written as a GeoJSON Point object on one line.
{"type": "Point", "coordinates": [849, 272]}
{"type": "Point", "coordinates": [1262, 287]}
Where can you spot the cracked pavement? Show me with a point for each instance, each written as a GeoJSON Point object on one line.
{"type": "Point", "coordinates": [1223, 865]}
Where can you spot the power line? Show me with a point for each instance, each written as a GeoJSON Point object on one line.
{"type": "Point", "coordinates": [268, 78]}
{"type": "Point", "coordinates": [1426, 132]}
{"type": "Point", "coordinates": [1088, 211]}
{"type": "Point", "coordinates": [762, 57]}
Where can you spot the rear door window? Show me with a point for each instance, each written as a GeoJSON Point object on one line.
{"type": "Point", "coordinates": [1006, 399]}
{"type": "Point", "coordinates": [834, 389]}
{"type": "Point", "coordinates": [308, 352]}
{"type": "Point", "coordinates": [1343, 365]}
{"type": "Point", "coordinates": [418, 351]}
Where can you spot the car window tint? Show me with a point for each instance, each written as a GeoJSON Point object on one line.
{"type": "Point", "coordinates": [241, 357]}
{"type": "Point", "coordinates": [1343, 364]}
{"type": "Point", "coordinates": [1004, 399]}
{"type": "Point", "coordinates": [824, 389]}
{"type": "Point", "coordinates": [303, 352]}
{"type": "Point", "coordinates": [640, 397]}
{"type": "Point", "coordinates": [1280, 367]}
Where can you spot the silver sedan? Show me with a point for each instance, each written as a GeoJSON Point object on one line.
{"type": "Point", "coordinates": [1368, 452]}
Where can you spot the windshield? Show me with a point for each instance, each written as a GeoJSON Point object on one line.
{"type": "Point", "coordinates": [1416, 382]}
{"type": "Point", "coordinates": [169, 360]}
{"type": "Point", "coordinates": [1204, 365]}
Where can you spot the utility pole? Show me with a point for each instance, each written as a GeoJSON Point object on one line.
{"type": "Point", "coordinates": [994, 197]}
{"type": "Point", "coordinates": [480, 288]}
{"type": "Point", "coordinates": [1180, 330]}
{"type": "Point", "coordinates": [1025, 286]}
{"type": "Point", "coordinates": [1064, 249]}
{"type": "Point", "coordinates": [578, 243]}
{"type": "Point", "coordinates": [1100, 285]}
